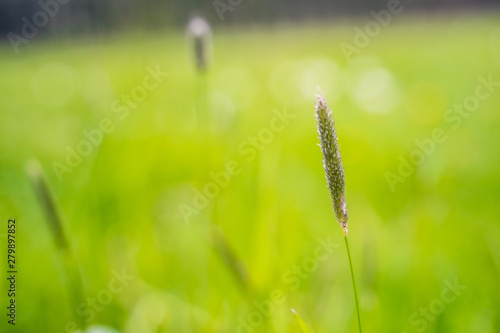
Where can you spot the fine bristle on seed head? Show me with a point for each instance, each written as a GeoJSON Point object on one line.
{"type": "Point", "coordinates": [331, 160]}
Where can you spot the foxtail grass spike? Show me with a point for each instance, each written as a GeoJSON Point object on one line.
{"type": "Point", "coordinates": [201, 34]}
{"type": "Point", "coordinates": [335, 177]}
{"type": "Point", "coordinates": [72, 275]}
{"type": "Point", "coordinates": [37, 177]}
{"type": "Point", "coordinates": [331, 160]}
{"type": "Point", "coordinates": [200, 39]}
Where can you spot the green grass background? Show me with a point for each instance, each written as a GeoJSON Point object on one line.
{"type": "Point", "coordinates": [120, 205]}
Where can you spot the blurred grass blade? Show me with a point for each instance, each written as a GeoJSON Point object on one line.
{"type": "Point", "coordinates": [300, 322]}
{"type": "Point", "coordinates": [230, 258]}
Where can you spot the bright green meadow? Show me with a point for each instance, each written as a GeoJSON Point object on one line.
{"type": "Point", "coordinates": [422, 179]}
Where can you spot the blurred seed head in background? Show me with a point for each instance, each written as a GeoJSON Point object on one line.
{"type": "Point", "coordinates": [200, 37]}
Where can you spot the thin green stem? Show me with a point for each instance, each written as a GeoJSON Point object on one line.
{"type": "Point", "coordinates": [353, 282]}
{"type": "Point", "coordinates": [203, 124]}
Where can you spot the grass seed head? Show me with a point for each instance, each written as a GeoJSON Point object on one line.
{"type": "Point", "coordinates": [331, 160]}
{"type": "Point", "coordinates": [201, 35]}
{"type": "Point", "coordinates": [39, 182]}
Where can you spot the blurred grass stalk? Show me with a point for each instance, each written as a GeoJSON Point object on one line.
{"type": "Point", "coordinates": [200, 34]}
{"type": "Point", "coordinates": [332, 163]}
{"type": "Point", "coordinates": [71, 271]}
{"type": "Point", "coordinates": [229, 257]}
